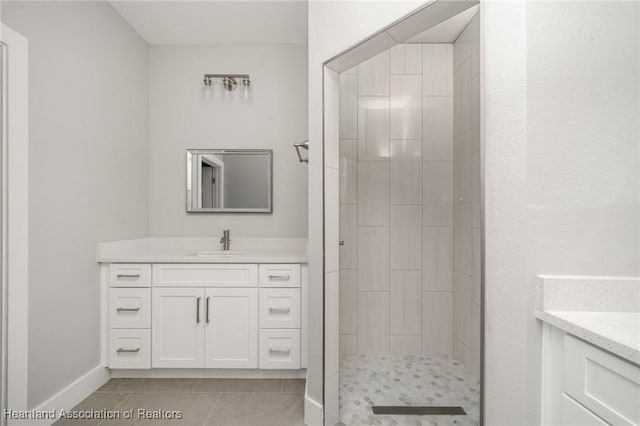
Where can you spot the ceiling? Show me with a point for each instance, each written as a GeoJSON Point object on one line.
{"type": "Point", "coordinates": [447, 31]}
{"type": "Point", "coordinates": [217, 22]}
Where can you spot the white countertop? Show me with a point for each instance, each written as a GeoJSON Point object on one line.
{"type": "Point", "coordinates": [604, 311]}
{"type": "Point", "coordinates": [616, 332]}
{"type": "Point", "coordinates": [181, 250]}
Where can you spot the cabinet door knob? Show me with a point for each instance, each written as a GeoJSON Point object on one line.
{"type": "Point", "coordinates": [341, 242]}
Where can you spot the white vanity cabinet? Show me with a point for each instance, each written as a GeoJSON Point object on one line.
{"type": "Point", "coordinates": [205, 316]}
{"type": "Point", "coordinates": [584, 385]}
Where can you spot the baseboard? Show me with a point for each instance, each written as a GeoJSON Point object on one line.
{"type": "Point", "coordinates": [68, 397]}
{"type": "Point", "coordinates": [312, 410]}
{"type": "Point", "coordinates": [208, 373]}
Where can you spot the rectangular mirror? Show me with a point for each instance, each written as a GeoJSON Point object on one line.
{"type": "Point", "coordinates": [229, 180]}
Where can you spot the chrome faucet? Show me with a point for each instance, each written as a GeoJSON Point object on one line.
{"type": "Point", "coordinates": [225, 240]}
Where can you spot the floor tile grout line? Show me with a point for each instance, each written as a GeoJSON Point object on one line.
{"type": "Point", "coordinates": [206, 420]}
{"type": "Point", "coordinates": [116, 407]}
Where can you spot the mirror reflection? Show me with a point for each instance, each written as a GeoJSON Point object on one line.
{"type": "Point", "coordinates": [229, 180]}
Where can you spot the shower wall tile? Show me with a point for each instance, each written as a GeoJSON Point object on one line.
{"type": "Point", "coordinates": [437, 259]}
{"type": "Point", "coordinates": [437, 113]}
{"type": "Point", "coordinates": [476, 336]}
{"type": "Point", "coordinates": [437, 193]}
{"type": "Point", "coordinates": [373, 128]}
{"type": "Point", "coordinates": [406, 172]}
{"type": "Point", "coordinates": [406, 345]}
{"type": "Point", "coordinates": [406, 58]}
{"type": "Point", "coordinates": [462, 307]}
{"type": "Point", "coordinates": [373, 323]}
{"type": "Point", "coordinates": [476, 265]}
{"type": "Point", "coordinates": [406, 302]}
{"type": "Point", "coordinates": [406, 237]}
{"type": "Point", "coordinates": [467, 208]}
{"type": "Point", "coordinates": [396, 163]}
{"type": "Point", "coordinates": [348, 301]}
{"type": "Point", "coordinates": [373, 76]}
{"type": "Point", "coordinates": [475, 177]}
{"type": "Point", "coordinates": [462, 100]}
{"type": "Point", "coordinates": [475, 113]}
{"type": "Point", "coordinates": [437, 69]}
{"type": "Point", "coordinates": [348, 171]}
{"type": "Point", "coordinates": [373, 194]}
{"type": "Point", "coordinates": [349, 234]}
{"type": "Point", "coordinates": [348, 106]}
{"type": "Point", "coordinates": [462, 238]}
{"type": "Point", "coordinates": [461, 50]}
{"type": "Point", "coordinates": [474, 41]}
{"type": "Point", "coordinates": [437, 326]}
{"type": "Point", "coordinates": [348, 344]}
{"type": "Point", "coordinates": [462, 182]}
{"type": "Point", "coordinates": [373, 258]}
{"type": "Point", "coordinates": [406, 107]}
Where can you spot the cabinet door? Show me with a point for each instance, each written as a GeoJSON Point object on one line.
{"type": "Point", "coordinates": [231, 318]}
{"type": "Point", "coordinates": [177, 327]}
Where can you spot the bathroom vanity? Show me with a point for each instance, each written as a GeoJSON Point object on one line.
{"type": "Point", "coordinates": [181, 307]}
{"type": "Point", "coordinates": [591, 350]}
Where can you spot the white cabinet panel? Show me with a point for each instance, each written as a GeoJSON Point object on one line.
{"type": "Point", "coordinates": [231, 317]}
{"type": "Point", "coordinates": [205, 275]}
{"type": "Point", "coordinates": [603, 383]}
{"type": "Point", "coordinates": [129, 275]}
{"type": "Point", "coordinates": [279, 308]}
{"type": "Point", "coordinates": [574, 414]}
{"type": "Point", "coordinates": [130, 308]}
{"type": "Point", "coordinates": [280, 275]}
{"type": "Point", "coordinates": [130, 349]}
{"type": "Point", "coordinates": [279, 349]}
{"type": "Point", "coordinates": [178, 327]}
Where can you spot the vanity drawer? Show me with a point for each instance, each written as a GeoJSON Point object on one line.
{"type": "Point", "coordinates": [205, 275]}
{"type": "Point", "coordinates": [129, 275]}
{"type": "Point", "coordinates": [279, 308]}
{"type": "Point", "coordinates": [279, 349]}
{"type": "Point", "coordinates": [280, 275]}
{"type": "Point", "coordinates": [129, 307]}
{"type": "Point", "coordinates": [605, 384]}
{"type": "Point", "coordinates": [130, 348]}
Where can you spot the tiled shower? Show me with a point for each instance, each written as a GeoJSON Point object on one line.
{"type": "Point", "coordinates": [410, 208]}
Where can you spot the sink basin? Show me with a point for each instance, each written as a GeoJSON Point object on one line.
{"type": "Point", "coordinates": [215, 253]}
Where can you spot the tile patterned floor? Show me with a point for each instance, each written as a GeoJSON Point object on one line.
{"type": "Point", "coordinates": [410, 380]}
{"type": "Point", "coordinates": [211, 402]}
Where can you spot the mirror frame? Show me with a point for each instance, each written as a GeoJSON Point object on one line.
{"type": "Point", "coordinates": [192, 152]}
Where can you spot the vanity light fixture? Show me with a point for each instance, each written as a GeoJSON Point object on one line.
{"type": "Point", "coordinates": [229, 81]}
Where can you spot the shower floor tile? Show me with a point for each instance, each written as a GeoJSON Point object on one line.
{"type": "Point", "coordinates": [410, 380]}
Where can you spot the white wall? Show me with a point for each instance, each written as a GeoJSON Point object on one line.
{"type": "Point", "coordinates": [466, 198]}
{"type": "Point", "coordinates": [396, 161]}
{"type": "Point", "coordinates": [562, 163]}
{"type": "Point", "coordinates": [355, 21]}
{"type": "Point", "coordinates": [87, 173]}
{"type": "Point", "coordinates": [180, 117]}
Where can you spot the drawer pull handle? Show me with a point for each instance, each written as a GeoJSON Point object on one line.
{"type": "Point", "coordinates": [207, 311]}
{"type": "Point", "coordinates": [287, 309]}
{"type": "Point", "coordinates": [280, 350]}
{"type": "Point", "coordinates": [128, 350]}
{"type": "Point", "coordinates": [279, 277]}
{"type": "Point", "coordinates": [128, 309]}
{"type": "Point", "coordinates": [128, 276]}
{"type": "Point", "coordinates": [198, 310]}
